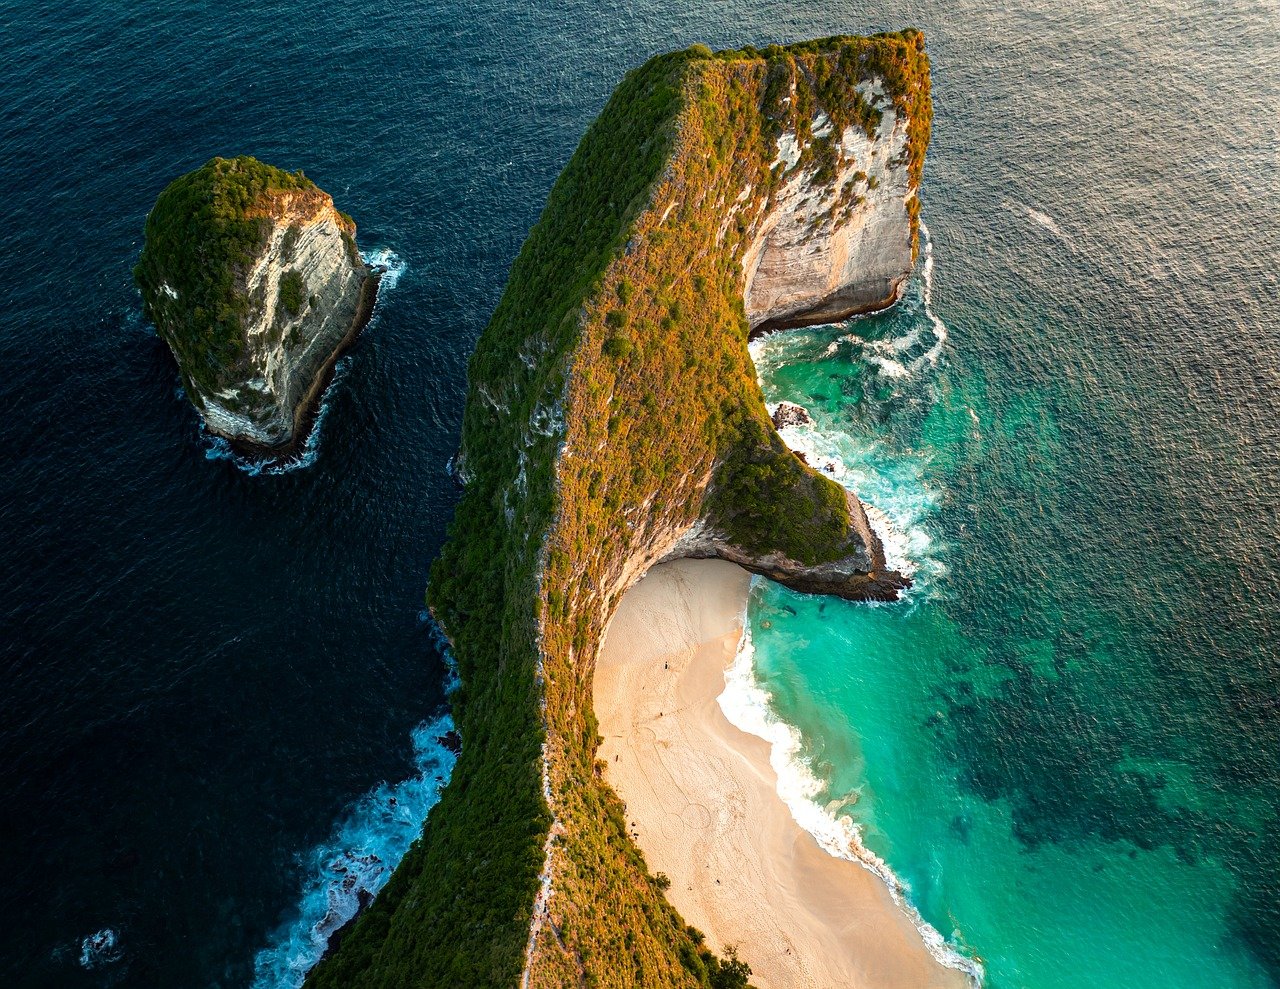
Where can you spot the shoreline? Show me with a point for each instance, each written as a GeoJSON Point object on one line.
{"type": "Point", "coordinates": [703, 806]}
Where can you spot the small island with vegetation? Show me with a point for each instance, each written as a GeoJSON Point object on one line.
{"type": "Point", "coordinates": [253, 278]}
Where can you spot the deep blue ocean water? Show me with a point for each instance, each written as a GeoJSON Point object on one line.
{"type": "Point", "coordinates": [217, 681]}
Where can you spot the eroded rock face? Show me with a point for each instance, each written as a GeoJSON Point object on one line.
{"type": "Point", "coordinates": [829, 249]}
{"type": "Point", "coordinates": [614, 419]}
{"type": "Point", "coordinates": [288, 352]}
{"type": "Point", "coordinates": [256, 343]}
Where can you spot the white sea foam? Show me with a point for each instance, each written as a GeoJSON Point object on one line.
{"type": "Point", "coordinates": [100, 949]}
{"type": "Point", "coordinates": [217, 448]}
{"type": "Point", "coordinates": [892, 489]}
{"type": "Point", "coordinates": [896, 542]}
{"type": "Point", "coordinates": [888, 366]}
{"type": "Point", "coordinates": [1040, 219]}
{"type": "Point", "coordinates": [1046, 221]}
{"type": "Point", "coordinates": [747, 706]}
{"type": "Point", "coordinates": [902, 344]}
{"type": "Point", "coordinates": [391, 264]}
{"type": "Point", "coordinates": [891, 485]}
{"type": "Point", "coordinates": [898, 502]}
{"type": "Point", "coordinates": [939, 327]}
{"type": "Point", "coordinates": [348, 870]}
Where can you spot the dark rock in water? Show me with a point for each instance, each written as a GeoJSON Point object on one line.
{"type": "Point", "coordinates": [790, 414]}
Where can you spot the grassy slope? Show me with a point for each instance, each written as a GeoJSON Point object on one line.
{"type": "Point", "coordinates": [634, 325]}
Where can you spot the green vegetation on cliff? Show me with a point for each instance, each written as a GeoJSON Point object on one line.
{"type": "Point", "coordinates": [202, 235]}
{"type": "Point", "coordinates": [613, 403]}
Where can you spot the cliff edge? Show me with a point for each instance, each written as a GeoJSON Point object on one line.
{"type": "Point", "coordinates": [252, 277]}
{"type": "Point", "coordinates": [614, 420]}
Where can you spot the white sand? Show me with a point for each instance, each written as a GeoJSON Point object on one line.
{"type": "Point", "coordinates": [701, 797]}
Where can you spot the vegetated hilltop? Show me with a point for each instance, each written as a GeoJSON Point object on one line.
{"type": "Point", "coordinates": [253, 279]}
{"type": "Point", "coordinates": [614, 419]}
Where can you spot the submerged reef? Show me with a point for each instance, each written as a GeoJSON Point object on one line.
{"type": "Point", "coordinates": [252, 277]}
{"type": "Point", "coordinates": [614, 420]}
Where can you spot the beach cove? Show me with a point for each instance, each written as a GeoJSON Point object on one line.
{"type": "Point", "coordinates": [702, 800]}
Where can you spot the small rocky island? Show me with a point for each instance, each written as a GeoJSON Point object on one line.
{"type": "Point", "coordinates": [252, 277]}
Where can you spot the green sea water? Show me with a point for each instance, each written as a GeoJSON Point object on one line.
{"type": "Point", "coordinates": [1061, 743]}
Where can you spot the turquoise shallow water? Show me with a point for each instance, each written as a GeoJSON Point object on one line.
{"type": "Point", "coordinates": [1044, 742]}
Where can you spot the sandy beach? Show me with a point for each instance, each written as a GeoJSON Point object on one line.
{"type": "Point", "coordinates": [701, 797]}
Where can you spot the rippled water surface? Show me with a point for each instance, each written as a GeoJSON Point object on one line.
{"type": "Point", "coordinates": [1066, 745]}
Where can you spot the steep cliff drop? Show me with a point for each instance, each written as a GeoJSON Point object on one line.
{"type": "Point", "coordinates": [614, 420]}
{"type": "Point", "coordinates": [253, 279]}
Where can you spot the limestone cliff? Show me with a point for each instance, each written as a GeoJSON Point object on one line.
{"type": "Point", "coordinates": [833, 247]}
{"type": "Point", "coordinates": [614, 419]}
{"type": "Point", "coordinates": [252, 277]}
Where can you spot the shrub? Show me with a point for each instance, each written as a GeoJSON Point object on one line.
{"type": "Point", "coordinates": [201, 236]}
{"type": "Point", "coordinates": [617, 347]}
{"type": "Point", "coordinates": [292, 291]}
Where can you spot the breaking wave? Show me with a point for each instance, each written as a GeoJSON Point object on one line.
{"type": "Point", "coordinates": [345, 873]}
{"type": "Point", "coordinates": [100, 949]}
{"type": "Point", "coordinates": [892, 483]}
{"type": "Point", "coordinates": [217, 448]}
{"type": "Point", "coordinates": [747, 706]}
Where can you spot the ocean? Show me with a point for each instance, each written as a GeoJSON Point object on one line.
{"type": "Point", "coordinates": [223, 698]}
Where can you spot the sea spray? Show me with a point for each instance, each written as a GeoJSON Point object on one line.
{"type": "Point", "coordinates": [217, 447]}
{"type": "Point", "coordinates": [390, 264]}
{"type": "Point", "coordinates": [935, 321]}
{"type": "Point", "coordinates": [892, 482]}
{"type": "Point", "coordinates": [100, 949]}
{"type": "Point", "coordinates": [346, 871]}
{"type": "Point", "coordinates": [747, 706]}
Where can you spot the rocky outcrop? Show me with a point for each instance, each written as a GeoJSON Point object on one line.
{"type": "Point", "coordinates": [862, 575]}
{"type": "Point", "coordinates": [834, 245]}
{"type": "Point", "coordinates": [255, 341]}
{"type": "Point", "coordinates": [788, 414]}
{"type": "Point", "coordinates": [290, 348]}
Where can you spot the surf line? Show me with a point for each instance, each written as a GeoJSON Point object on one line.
{"type": "Point", "coordinates": [926, 268]}
{"type": "Point", "coordinates": [747, 706]}
{"type": "Point", "coordinates": [343, 874]}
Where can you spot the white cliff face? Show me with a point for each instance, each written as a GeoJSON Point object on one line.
{"type": "Point", "coordinates": [307, 299]}
{"type": "Point", "coordinates": [830, 249]}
